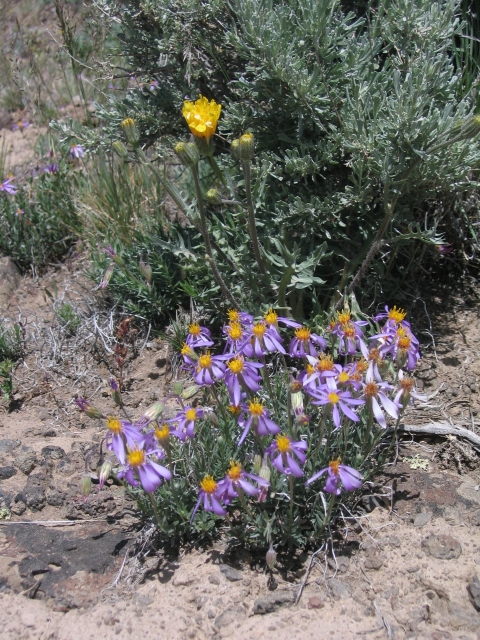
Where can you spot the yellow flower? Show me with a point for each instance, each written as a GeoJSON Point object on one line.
{"type": "Point", "coordinates": [202, 117]}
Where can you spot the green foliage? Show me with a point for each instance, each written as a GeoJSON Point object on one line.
{"type": "Point", "coordinates": [6, 382]}
{"type": "Point", "coordinates": [36, 224]}
{"type": "Point", "coordinates": [68, 318]}
{"type": "Point", "coordinates": [356, 119]}
{"type": "Point", "coordinates": [11, 342]}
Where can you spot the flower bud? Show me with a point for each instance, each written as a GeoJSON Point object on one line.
{"type": "Point", "coordinates": [213, 196]}
{"type": "Point", "coordinates": [265, 472]}
{"type": "Point", "coordinates": [257, 464]}
{"type": "Point", "coordinates": [88, 409]}
{"type": "Point", "coordinates": [145, 270]}
{"type": "Point", "coordinates": [236, 148]}
{"type": "Point", "coordinates": [177, 387]}
{"type": "Point", "coordinates": [153, 412]}
{"type": "Point", "coordinates": [271, 558]}
{"type": "Point", "coordinates": [131, 132]}
{"type": "Point", "coordinates": [220, 440]}
{"type": "Point", "coordinates": [107, 276]}
{"type": "Point", "coordinates": [86, 485]}
{"type": "Point", "coordinates": [189, 392]}
{"type": "Point", "coordinates": [105, 471]}
{"type": "Point", "coordinates": [204, 146]}
{"type": "Point", "coordinates": [120, 149]}
{"type": "Point", "coordinates": [187, 153]}
{"type": "Point", "coordinates": [297, 401]}
{"type": "Point", "coordinates": [246, 147]}
{"type": "Point", "coordinates": [212, 418]}
{"type": "Point", "coordinates": [295, 386]}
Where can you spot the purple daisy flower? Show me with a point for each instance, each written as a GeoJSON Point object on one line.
{"type": "Point", "coordinates": [76, 151]}
{"type": "Point", "coordinates": [88, 408]}
{"type": "Point", "coordinates": [244, 318]}
{"type": "Point", "coordinates": [237, 480]}
{"type": "Point", "coordinates": [52, 167]}
{"type": "Point", "coordinates": [211, 495]}
{"type": "Point", "coordinates": [262, 340]}
{"type": "Point", "coordinates": [121, 436]}
{"type": "Point", "coordinates": [404, 347]}
{"type": "Point", "coordinates": [186, 420]}
{"type": "Point", "coordinates": [406, 391]}
{"type": "Point", "coordinates": [282, 451]}
{"type": "Point", "coordinates": [303, 344]}
{"type": "Point", "coordinates": [241, 374]}
{"type": "Point", "coordinates": [235, 335]}
{"type": "Point", "coordinates": [375, 391]}
{"type": "Point", "coordinates": [272, 320]}
{"type": "Point", "coordinates": [393, 316]}
{"type": "Point", "coordinates": [198, 336]}
{"type": "Point", "coordinates": [21, 124]}
{"type": "Point", "coordinates": [259, 419]}
{"type": "Point", "coordinates": [336, 472]}
{"type": "Point", "coordinates": [337, 400]}
{"type": "Point", "coordinates": [209, 369]}
{"type": "Point", "coordinates": [141, 468]}
{"type": "Point", "coordinates": [318, 371]}
{"type": "Point", "coordinates": [350, 334]}
{"type": "Point", "coordinates": [8, 187]}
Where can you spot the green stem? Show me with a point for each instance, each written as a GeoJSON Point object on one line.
{"type": "Point", "coordinates": [290, 518]}
{"type": "Point", "coordinates": [241, 497]}
{"type": "Point", "coordinates": [155, 511]}
{"type": "Point", "coordinates": [251, 218]}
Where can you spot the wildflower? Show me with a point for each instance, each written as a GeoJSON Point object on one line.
{"type": "Point", "coordinates": [394, 316]}
{"type": "Point", "coordinates": [211, 495]}
{"type": "Point", "coordinates": [375, 391]}
{"type": "Point", "coordinates": [236, 481]}
{"type": "Point", "coordinates": [19, 212]}
{"type": "Point", "coordinates": [120, 436]}
{"type": "Point", "coordinates": [153, 413]}
{"type": "Point", "coordinates": [8, 187]}
{"type": "Point", "coordinates": [131, 132]}
{"type": "Point", "coordinates": [281, 453]}
{"type": "Point", "coordinates": [198, 336]}
{"type": "Point", "coordinates": [88, 408]}
{"type": "Point", "coordinates": [336, 472]}
{"type": "Point", "coordinates": [303, 343]}
{"type": "Point", "coordinates": [404, 347]}
{"type": "Point", "coordinates": [350, 334]}
{"type": "Point", "coordinates": [235, 336]}
{"type": "Point", "coordinates": [52, 167]}
{"type": "Point", "coordinates": [140, 467]}
{"type": "Point", "coordinates": [104, 473]}
{"type": "Point", "coordinates": [213, 196]}
{"type": "Point", "coordinates": [271, 558]}
{"type": "Point", "coordinates": [209, 368]}
{"type": "Point", "coordinates": [186, 420]}
{"type": "Point", "coordinates": [189, 355]}
{"type": "Point", "coordinates": [246, 147]}
{"type": "Point", "coordinates": [187, 153]}
{"type": "Point", "coordinates": [240, 373]}
{"type": "Point", "coordinates": [120, 149]}
{"type": "Point", "coordinates": [337, 400]}
{"type": "Point", "coordinates": [376, 362]}
{"type": "Point", "coordinates": [259, 419]}
{"type": "Point", "coordinates": [319, 368]}
{"type": "Point", "coordinates": [239, 316]}
{"type": "Point", "coordinates": [405, 391]}
{"type": "Point", "coordinates": [272, 320]}
{"type": "Point", "coordinates": [444, 249]}
{"type": "Point", "coordinates": [76, 151]}
{"type": "Point", "coordinates": [153, 84]}
{"type": "Point", "coordinates": [262, 340]}
{"type": "Point", "coordinates": [21, 124]}
{"type": "Point", "coordinates": [202, 117]}
{"type": "Point", "coordinates": [107, 276]}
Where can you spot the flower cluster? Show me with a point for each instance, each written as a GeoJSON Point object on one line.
{"type": "Point", "coordinates": [370, 385]}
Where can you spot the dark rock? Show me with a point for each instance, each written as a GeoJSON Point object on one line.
{"type": "Point", "coordinates": [7, 446]}
{"type": "Point", "coordinates": [10, 280]}
{"type": "Point", "coordinates": [7, 472]}
{"type": "Point", "coordinates": [232, 615]}
{"type": "Point", "coordinates": [55, 498]}
{"type": "Point", "coordinates": [231, 574]}
{"type": "Point", "coordinates": [474, 592]}
{"type": "Point", "coordinates": [5, 499]}
{"type": "Point", "coordinates": [95, 505]}
{"type": "Point", "coordinates": [421, 519]}
{"type": "Point", "coordinates": [49, 433]}
{"type": "Point", "coordinates": [339, 588]}
{"type": "Point", "coordinates": [26, 460]}
{"type": "Point", "coordinates": [442, 546]}
{"type": "Point", "coordinates": [18, 507]}
{"type": "Point", "coordinates": [273, 601]}
{"type": "Point", "coordinates": [53, 453]}
{"type": "Point", "coordinates": [34, 493]}
{"type": "Point", "coordinates": [374, 563]}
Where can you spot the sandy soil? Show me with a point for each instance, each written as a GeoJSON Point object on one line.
{"type": "Point", "coordinates": [404, 567]}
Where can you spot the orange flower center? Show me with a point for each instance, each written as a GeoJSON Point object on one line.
{"type": "Point", "coordinates": [205, 361]}
{"type": "Point", "coordinates": [374, 355]}
{"type": "Point", "coordinates": [186, 350]}
{"type": "Point", "coordinates": [324, 363]}
{"type": "Point", "coordinates": [333, 397]}
{"type": "Point", "coordinates": [361, 366]}
{"type": "Point", "coordinates": [310, 369]}
{"type": "Point", "coordinates": [406, 384]}
{"type": "Point", "coordinates": [208, 484]}
{"type": "Point", "coordinates": [302, 334]}
{"type": "Point", "coordinates": [334, 465]}
{"type": "Point", "coordinates": [236, 365]}
{"type": "Point", "coordinates": [343, 377]}
{"type": "Point", "coordinates": [233, 316]}
{"type": "Point", "coordinates": [397, 315]}
{"type": "Point", "coordinates": [235, 471]}
{"type": "Point", "coordinates": [283, 443]}
{"type": "Point", "coordinates": [136, 458]}
{"type": "Point", "coordinates": [371, 389]}
{"type": "Point", "coordinates": [259, 329]}
{"type": "Point", "coordinates": [343, 317]}
{"type": "Point", "coordinates": [162, 432]}
{"type": "Point", "coordinates": [235, 331]}
{"type": "Point", "coordinates": [114, 424]}
{"type": "Point", "coordinates": [191, 414]}
{"type": "Point", "coordinates": [348, 330]}
{"type": "Point", "coordinates": [255, 408]}
{"type": "Point", "coordinates": [194, 329]}
{"type": "Point", "coordinates": [234, 409]}
{"type": "Point", "coordinates": [270, 317]}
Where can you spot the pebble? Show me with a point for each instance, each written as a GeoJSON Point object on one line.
{"type": "Point", "coordinates": [273, 601]}
{"type": "Point", "coordinates": [7, 472]}
{"type": "Point", "coordinates": [442, 546]}
{"type": "Point", "coordinates": [231, 574]}
{"type": "Point", "coordinates": [315, 602]}
{"type": "Point", "coordinates": [375, 563]}
{"type": "Point", "coordinates": [183, 580]}
{"type": "Point", "coordinates": [421, 519]}
{"type": "Point", "coordinates": [214, 579]}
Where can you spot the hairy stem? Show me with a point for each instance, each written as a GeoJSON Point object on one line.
{"type": "Point", "coordinates": [251, 218]}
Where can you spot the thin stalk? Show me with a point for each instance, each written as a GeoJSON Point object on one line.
{"type": "Point", "coordinates": [206, 240]}
{"type": "Point", "coordinates": [290, 517]}
{"type": "Point", "coordinates": [155, 511]}
{"type": "Point", "coordinates": [251, 218]}
{"type": "Point", "coordinates": [241, 497]}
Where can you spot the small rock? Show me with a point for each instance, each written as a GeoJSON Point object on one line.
{"type": "Point", "coordinates": [201, 601]}
{"type": "Point", "coordinates": [273, 601]}
{"type": "Point", "coordinates": [232, 615]}
{"type": "Point", "coordinates": [315, 602]}
{"type": "Point", "coordinates": [183, 580]}
{"type": "Point", "coordinates": [214, 579]}
{"type": "Point", "coordinates": [474, 592]}
{"type": "Point", "coordinates": [374, 563]}
{"type": "Point", "coordinates": [421, 519]}
{"type": "Point", "coordinates": [339, 588]}
{"type": "Point", "coordinates": [475, 519]}
{"type": "Point", "coordinates": [26, 460]}
{"type": "Point", "coordinates": [55, 498]}
{"type": "Point", "coordinates": [341, 565]}
{"type": "Point", "coordinates": [452, 516]}
{"type": "Point", "coordinates": [5, 500]}
{"type": "Point", "coordinates": [10, 279]}
{"type": "Point", "coordinates": [18, 508]}
{"type": "Point", "coordinates": [231, 574]}
{"type": "Point", "coordinates": [413, 569]}
{"type": "Point", "coordinates": [395, 542]}
{"type": "Point", "coordinates": [442, 546]}
{"type": "Point", "coordinates": [211, 614]}
{"type": "Point", "coordinates": [96, 504]}
{"type": "Point", "coordinates": [7, 446]}
{"type": "Point", "coordinates": [49, 433]}
{"type": "Point", "coordinates": [53, 453]}
{"type": "Point", "coordinates": [7, 472]}
{"type": "Point", "coordinates": [44, 415]}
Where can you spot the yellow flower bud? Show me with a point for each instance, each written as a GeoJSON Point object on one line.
{"type": "Point", "coordinates": [213, 196]}
{"type": "Point", "coordinates": [187, 153]}
{"type": "Point", "coordinates": [131, 132]}
{"type": "Point", "coordinates": [246, 147]}
{"type": "Point", "coordinates": [120, 149]}
{"type": "Point", "coordinates": [202, 117]}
